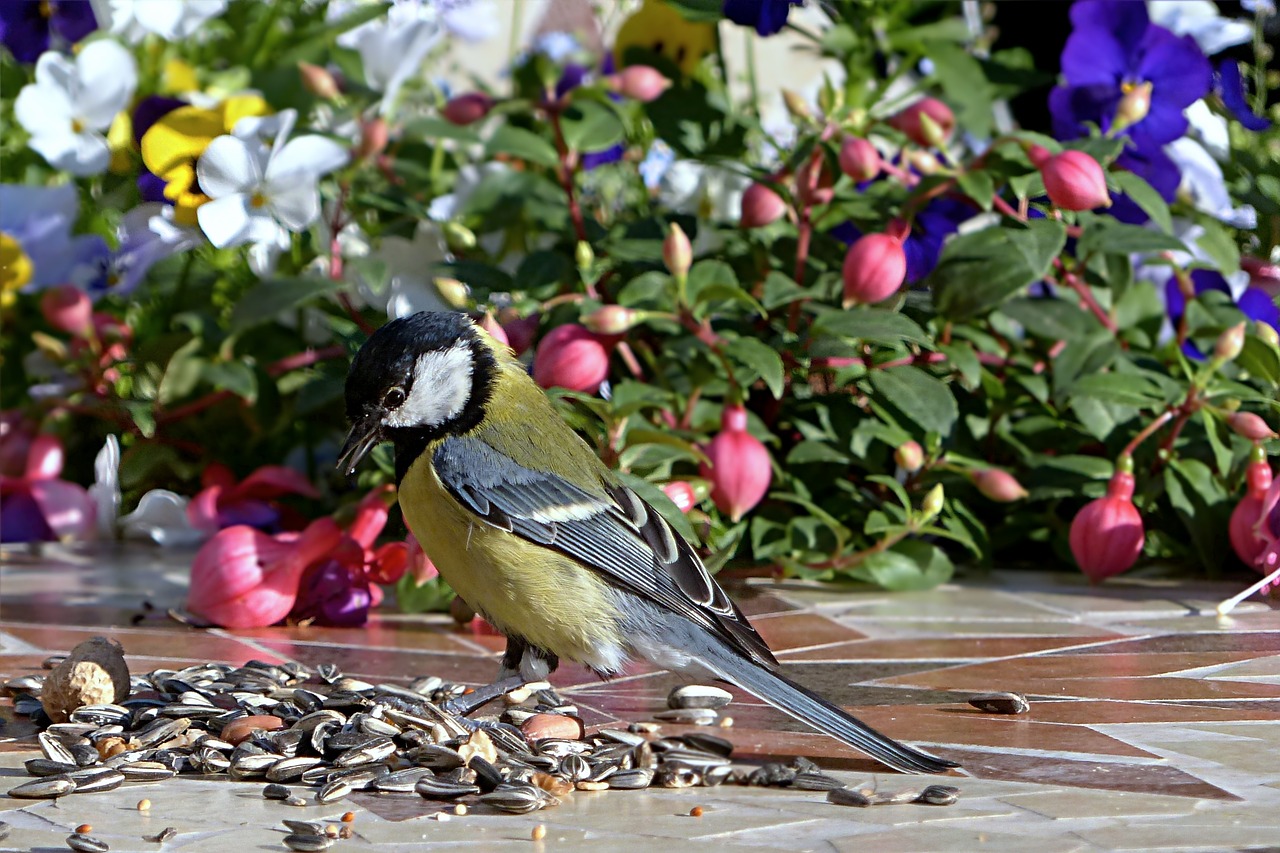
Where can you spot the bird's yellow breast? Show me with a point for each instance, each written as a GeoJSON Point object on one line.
{"type": "Point", "coordinates": [548, 599]}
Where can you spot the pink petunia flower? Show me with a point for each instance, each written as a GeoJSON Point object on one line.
{"type": "Point", "coordinates": [253, 501]}
{"type": "Point", "coordinates": [35, 504]}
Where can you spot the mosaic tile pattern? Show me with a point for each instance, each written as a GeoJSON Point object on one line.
{"type": "Point", "coordinates": [1153, 722]}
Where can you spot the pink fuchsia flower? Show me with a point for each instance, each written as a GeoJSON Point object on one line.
{"type": "Point", "coordinates": [467, 109]}
{"type": "Point", "coordinates": [997, 485]}
{"type": "Point", "coordinates": [520, 331]}
{"type": "Point", "coordinates": [1250, 426]}
{"type": "Point", "coordinates": [859, 159]}
{"type": "Point", "coordinates": [68, 309]}
{"type": "Point", "coordinates": [572, 357]}
{"type": "Point", "coordinates": [761, 206]}
{"type": "Point", "coordinates": [35, 505]}
{"type": "Point", "coordinates": [244, 578]}
{"type": "Point", "coordinates": [611, 319]}
{"type": "Point", "coordinates": [739, 468]}
{"type": "Point", "coordinates": [681, 494]}
{"type": "Point", "coordinates": [253, 501]}
{"type": "Point", "coordinates": [910, 456]}
{"type": "Point", "coordinates": [874, 269]}
{"type": "Point", "coordinates": [928, 122]}
{"type": "Point", "coordinates": [639, 82]}
{"type": "Point", "coordinates": [1072, 179]}
{"type": "Point", "coordinates": [677, 252]}
{"type": "Point", "coordinates": [1247, 538]}
{"type": "Point", "coordinates": [494, 329]}
{"type": "Point", "coordinates": [1107, 534]}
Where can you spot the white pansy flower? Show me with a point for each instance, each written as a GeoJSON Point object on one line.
{"type": "Point", "coordinates": [1203, 183]}
{"type": "Point", "coordinates": [1200, 20]}
{"type": "Point", "coordinates": [72, 102]}
{"type": "Point", "coordinates": [172, 20]}
{"type": "Point", "coordinates": [161, 516]}
{"type": "Point", "coordinates": [1209, 129]}
{"type": "Point", "coordinates": [393, 50]}
{"type": "Point", "coordinates": [260, 193]}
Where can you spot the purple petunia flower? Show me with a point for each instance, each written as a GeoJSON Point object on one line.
{"type": "Point", "coordinates": [1255, 303]}
{"type": "Point", "coordinates": [1229, 84]}
{"type": "Point", "coordinates": [27, 25]}
{"type": "Point", "coordinates": [330, 594]}
{"type": "Point", "coordinates": [767, 16]}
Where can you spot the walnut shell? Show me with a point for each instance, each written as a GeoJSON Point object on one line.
{"type": "Point", "coordinates": [93, 674]}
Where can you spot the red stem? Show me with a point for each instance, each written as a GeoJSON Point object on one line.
{"type": "Point", "coordinates": [566, 172]}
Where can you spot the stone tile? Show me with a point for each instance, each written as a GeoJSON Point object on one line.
{"type": "Point", "coordinates": [936, 649]}
{"type": "Point", "coordinates": [889, 629]}
{"type": "Point", "coordinates": [932, 837]}
{"type": "Point", "coordinates": [1066, 803]}
{"type": "Point", "coordinates": [177, 642]}
{"type": "Point", "coordinates": [1249, 641]}
{"type": "Point", "coordinates": [1098, 711]}
{"type": "Point", "coordinates": [1162, 836]}
{"type": "Point", "coordinates": [801, 630]}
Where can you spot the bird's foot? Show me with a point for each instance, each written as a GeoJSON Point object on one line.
{"type": "Point", "coordinates": [469, 703]}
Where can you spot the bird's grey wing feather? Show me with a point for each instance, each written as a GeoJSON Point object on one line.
{"type": "Point", "coordinates": [619, 535]}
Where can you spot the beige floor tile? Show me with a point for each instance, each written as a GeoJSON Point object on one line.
{"type": "Point", "coordinates": [1074, 803]}
{"type": "Point", "coordinates": [1179, 836]}
{"type": "Point", "coordinates": [925, 839]}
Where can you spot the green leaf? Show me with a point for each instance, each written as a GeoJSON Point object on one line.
{"type": "Point", "coordinates": [262, 302]}
{"type": "Point", "coordinates": [759, 357]}
{"type": "Point", "coordinates": [1202, 505]}
{"type": "Point", "coordinates": [234, 376]}
{"type": "Point", "coordinates": [815, 451]}
{"type": "Point", "coordinates": [875, 325]}
{"type": "Point", "coordinates": [143, 415]}
{"type": "Point", "coordinates": [303, 44]}
{"type": "Point", "coordinates": [1260, 359]}
{"type": "Point", "coordinates": [521, 143]}
{"type": "Point", "coordinates": [1104, 234]}
{"type": "Point", "coordinates": [910, 565]}
{"type": "Point", "coordinates": [720, 293]}
{"type": "Point", "coordinates": [434, 127]}
{"type": "Point", "coordinates": [967, 89]}
{"type": "Point", "coordinates": [432, 596]}
{"type": "Point", "coordinates": [1124, 388]}
{"type": "Point", "coordinates": [182, 373]}
{"type": "Point", "coordinates": [925, 400]}
{"type": "Point", "coordinates": [1220, 245]}
{"type": "Point", "coordinates": [1144, 196]}
{"type": "Point", "coordinates": [980, 270]}
{"type": "Point", "coordinates": [698, 10]}
{"type": "Point", "coordinates": [708, 272]}
{"type": "Point", "coordinates": [979, 186]}
{"type": "Point", "coordinates": [591, 126]}
{"type": "Point", "coordinates": [1053, 319]}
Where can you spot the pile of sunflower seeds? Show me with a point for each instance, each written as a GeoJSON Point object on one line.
{"type": "Point", "coordinates": [320, 732]}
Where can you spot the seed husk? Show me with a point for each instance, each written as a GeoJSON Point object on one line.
{"type": "Point", "coordinates": [4, 830]}
{"type": "Point", "coordinates": [401, 781]}
{"type": "Point", "coordinates": [304, 827]}
{"type": "Point", "coordinates": [698, 696]}
{"type": "Point", "coordinates": [334, 791]}
{"type": "Point", "coordinates": [517, 799]}
{"type": "Point", "coordinates": [276, 792]}
{"type": "Point", "coordinates": [162, 836]}
{"type": "Point", "coordinates": [289, 769]}
{"type": "Point", "coordinates": [687, 716]}
{"type": "Point", "coordinates": [939, 795]}
{"type": "Point", "coordinates": [308, 842]}
{"type": "Point", "coordinates": [848, 797]}
{"type": "Point", "coordinates": [895, 798]}
{"type": "Point", "coordinates": [631, 780]}
{"type": "Point", "coordinates": [86, 843]}
{"type": "Point", "coordinates": [93, 779]}
{"type": "Point", "coordinates": [811, 781]}
{"type": "Point", "coordinates": [47, 767]}
{"type": "Point", "coordinates": [1000, 703]}
{"type": "Point", "coordinates": [45, 788]}
{"type": "Point", "coordinates": [436, 788]}
{"type": "Point", "coordinates": [294, 800]}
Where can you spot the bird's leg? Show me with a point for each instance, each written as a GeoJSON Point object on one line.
{"type": "Point", "coordinates": [521, 663]}
{"type": "Point", "coordinates": [469, 703]}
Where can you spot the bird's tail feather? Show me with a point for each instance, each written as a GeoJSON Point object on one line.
{"type": "Point", "coordinates": [808, 707]}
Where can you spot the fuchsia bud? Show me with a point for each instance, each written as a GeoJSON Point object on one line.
{"type": "Point", "coordinates": [1072, 179]}
{"type": "Point", "coordinates": [874, 269]}
{"type": "Point", "coordinates": [373, 138]}
{"type": "Point", "coordinates": [928, 122]}
{"type": "Point", "coordinates": [1262, 274]}
{"type": "Point", "coordinates": [67, 308]}
{"type": "Point", "coordinates": [997, 485]}
{"type": "Point", "coordinates": [640, 82]}
{"type": "Point", "coordinates": [318, 81]}
{"type": "Point", "coordinates": [494, 329]}
{"type": "Point", "coordinates": [243, 578]}
{"type": "Point", "coordinates": [467, 109]}
{"type": "Point", "coordinates": [740, 470]}
{"type": "Point", "coordinates": [571, 357]}
{"type": "Point", "coordinates": [611, 319]}
{"type": "Point", "coordinates": [677, 253]}
{"type": "Point", "coordinates": [859, 159]}
{"type": "Point", "coordinates": [1107, 534]}
{"type": "Point", "coordinates": [761, 206]}
{"type": "Point", "coordinates": [1243, 529]}
{"type": "Point", "coordinates": [1134, 105]}
{"type": "Point", "coordinates": [814, 181]}
{"type": "Point", "coordinates": [681, 494]}
{"type": "Point", "coordinates": [909, 456]}
{"type": "Point", "coordinates": [1229, 343]}
{"type": "Point", "coordinates": [1250, 426]}
{"type": "Point", "coordinates": [520, 331]}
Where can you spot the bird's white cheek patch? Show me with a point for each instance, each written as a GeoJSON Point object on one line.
{"type": "Point", "coordinates": [440, 390]}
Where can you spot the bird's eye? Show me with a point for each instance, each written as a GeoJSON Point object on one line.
{"type": "Point", "coordinates": [393, 398]}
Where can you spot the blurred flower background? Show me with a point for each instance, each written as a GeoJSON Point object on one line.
{"type": "Point", "coordinates": [850, 290]}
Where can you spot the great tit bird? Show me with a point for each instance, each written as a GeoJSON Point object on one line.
{"type": "Point", "coordinates": [535, 533]}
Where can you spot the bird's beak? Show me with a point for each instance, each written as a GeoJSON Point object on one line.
{"type": "Point", "coordinates": [363, 436]}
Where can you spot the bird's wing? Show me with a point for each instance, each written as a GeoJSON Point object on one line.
{"type": "Point", "coordinates": [617, 534]}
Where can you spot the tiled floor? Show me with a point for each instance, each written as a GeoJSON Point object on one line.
{"type": "Point", "coordinates": [1154, 723]}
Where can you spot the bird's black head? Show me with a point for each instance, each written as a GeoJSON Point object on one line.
{"type": "Point", "coordinates": [416, 378]}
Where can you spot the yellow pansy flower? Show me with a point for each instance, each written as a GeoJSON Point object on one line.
{"type": "Point", "coordinates": [179, 76]}
{"type": "Point", "coordinates": [658, 27]}
{"type": "Point", "coordinates": [15, 269]}
{"type": "Point", "coordinates": [120, 141]}
{"type": "Point", "coordinates": [171, 147]}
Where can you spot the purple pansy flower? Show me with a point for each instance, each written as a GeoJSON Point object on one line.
{"type": "Point", "coordinates": [26, 25]}
{"type": "Point", "coordinates": [331, 595]}
{"type": "Point", "coordinates": [1229, 84]}
{"type": "Point", "coordinates": [1255, 303]}
{"type": "Point", "coordinates": [573, 76]}
{"type": "Point", "coordinates": [767, 16]}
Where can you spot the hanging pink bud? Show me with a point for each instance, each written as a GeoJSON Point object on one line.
{"type": "Point", "coordinates": [318, 81]}
{"type": "Point", "coordinates": [859, 159]}
{"type": "Point", "coordinates": [677, 252]}
{"type": "Point", "coordinates": [1074, 181]}
{"type": "Point", "coordinates": [740, 470]}
{"type": "Point", "coordinates": [67, 308]}
{"type": "Point", "coordinates": [467, 109]}
{"type": "Point", "coordinates": [494, 329]}
{"type": "Point", "coordinates": [1250, 426]}
{"type": "Point", "coordinates": [681, 494]}
{"type": "Point", "coordinates": [874, 269]}
{"type": "Point", "coordinates": [243, 578]}
{"type": "Point", "coordinates": [814, 181]}
{"type": "Point", "coordinates": [44, 458]}
{"type": "Point", "coordinates": [521, 331]}
{"type": "Point", "coordinates": [997, 485]}
{"type": "Point", "coordinates": [928, 122]}
{"type": "Point", "coordinates": [909, 456]}
{"type": "Point", "coordinates": [1246, 540]}
{"type": "Point", "coordinates": [1107, 535]}
{"type": "Point", "coordinates": [571, 357]}
{"type": "Point", "coordinates": [373, 138]}
{"type": "Point", "coordinates": [1229, 343]}
{"type": "Point", "coordinates": [639, 82]}
{"type": "Point", "coordinates": [611, 319]}
{"type": "Point", "coordinates": [1262, 274]}
{"type": "Point", "coordinates": [761, 206]}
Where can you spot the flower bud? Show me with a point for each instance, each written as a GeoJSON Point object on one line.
{"type": "Point", "coordinates": [318, 81]}
{"type": "Point", "coordinates": [520, 331]}
{"type": "Point", "coordinates": [1246, 540]}
{"type": "Point", "coordinates": [928, 122]}
{"type": "Point", "coordinates": [1263, 275]}
{"type": "Point", "coordinates": [1075, 181]}
{"type": "Point", "coordinates": [373, 138]}
{"type": "Point", "coordinates": [571, 357]}
{"type": "Point", "coordinates": [681, 494]}
{"type": "Point", "coordinates": [1134, 105]}
{"type": "Point", "coordinates": [1229, 343]}
{"type": "Point", "coordinates": [859, 159]}
{"type": "Point", "coordinates": [740, 470]}
{"type": "Point", "coordinates": [611, 319]}
{"type": "Point", "coordinates": [909, 456]}
{"type": "Point", "coordinates": [932, 503]}
{"type": "Point", "coordinates": [458, 237]}
{"type": "Point", "coordinates": [874, 269]}
{"type": "Point", "coordinates": [796, 105]}
{"type": "Point", "coordinates": [761, 206]}
{"type": "Point", "coordinates": [814, 181]}
{"type": "Point", "coordinates": [467, 109]}
{"type": "Point", "coordinates": [453, 292]}
{"type": "Point", "coordinates": [1250, 426]}
{"type": "Point", "coordinates": [583, 255]}
{"type": "Point", "coordinates": [494, 329]}
{"type": "Point", "coordinates": [639, 82]}
{"type": "Point", "coordinates": [997, 485]}
{"type": "Point", "coordinates": [1267, 333]}
{"type": "Point", "coordinates": [677, 253]}
{"type": "Point", "coordinates": [1107, 534]}
{"type": "Point", "coordinates": [68, 309]}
